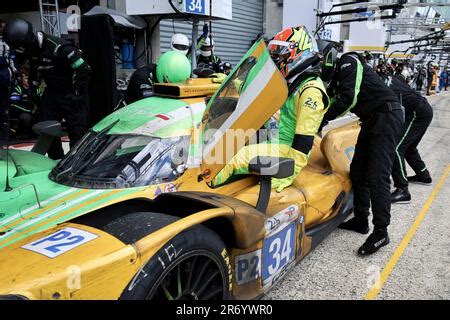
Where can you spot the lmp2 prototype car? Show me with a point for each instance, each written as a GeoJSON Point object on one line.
{"type": "Point", "coordinates": [130, 212]}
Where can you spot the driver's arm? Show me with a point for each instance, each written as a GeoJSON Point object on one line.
{"type": "Point", "coordinates": [310, 112]}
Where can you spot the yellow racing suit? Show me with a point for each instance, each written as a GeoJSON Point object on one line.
{"type": "Point", "coordinates": [300, 118]}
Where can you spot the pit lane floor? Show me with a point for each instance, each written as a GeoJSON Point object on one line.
{"type": "Point", "coordinates": [422, 270]}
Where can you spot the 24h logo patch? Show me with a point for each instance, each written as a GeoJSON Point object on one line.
{"type": "Point", "coordinates": [310, 103]}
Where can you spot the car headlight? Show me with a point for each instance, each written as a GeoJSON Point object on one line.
{"type": "Point", "coordinates": [13, 297]}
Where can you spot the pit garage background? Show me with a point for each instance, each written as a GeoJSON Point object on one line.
{"type": "Point", "coordinates": [232, 38]}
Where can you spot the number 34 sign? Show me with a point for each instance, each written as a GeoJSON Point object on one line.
{"type": "Point", "coordinates": [195, 6]}
{"type": "Point", "coordinates": [60, 242]}
{"type": "Point", "coordinates": [278, 252]}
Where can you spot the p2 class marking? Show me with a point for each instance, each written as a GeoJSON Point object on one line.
{"type": "Point", "coordinates": [248, 267]}
{"type": "Point", "coordinates": [60, 242]}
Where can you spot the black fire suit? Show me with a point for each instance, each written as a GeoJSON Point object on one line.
{"type": "Point", "coordinates": [212, 62]}
{"type": "Point", "coordinates": [357, 88]}
{"type": "Point", "coordinates": [66, 74]}
{"type": "Point", "coordinates": [141, 84]}
{"type": "Point", "coordinates": [419, 115]}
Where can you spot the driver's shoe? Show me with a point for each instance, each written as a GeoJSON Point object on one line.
{"type": "Point", "coordinates": [357, 225]}
{"type": "Point", "coordinates": [378, 239]}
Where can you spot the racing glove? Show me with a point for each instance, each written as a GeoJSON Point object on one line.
{"type": "Point", "coordinates": [218, 77]}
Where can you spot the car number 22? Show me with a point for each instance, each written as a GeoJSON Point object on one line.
{"type": "Point", "coordinates": [278, 252]}
{"type": "Point", "coordinates": [60, 242]}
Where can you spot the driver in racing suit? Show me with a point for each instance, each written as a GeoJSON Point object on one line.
{"type": "Point", "coordinates": [295, 52]}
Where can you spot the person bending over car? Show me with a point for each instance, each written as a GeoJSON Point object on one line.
{"type": "Point", "coordinates": [295, 52]}
{"type": "Point", "coordinates": [141, 84]}
{"type": "Point", "coordinates": [357, 88]}
{"type": "Point", "coordinates": [60, 64]}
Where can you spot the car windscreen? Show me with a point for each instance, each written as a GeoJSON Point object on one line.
{"type": "Point", "coordinates": [123, 161]}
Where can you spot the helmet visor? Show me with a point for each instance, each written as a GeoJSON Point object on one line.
{"type": "Point", "coordinates": [285, 52]}
{"type": "Point", "coordinates": [279, 50]}
{"type": "Point", "coordinates": [206, 48]}
{"type": "Point", "coordinates": [180, 47]}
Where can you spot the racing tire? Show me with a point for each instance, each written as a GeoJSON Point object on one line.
{"type": "Point", "coordinates": [194, 265]}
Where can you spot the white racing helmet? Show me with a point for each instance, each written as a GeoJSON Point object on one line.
{"type": "Point", "coordinates": [206, 48]}
{"type": "Point", "coordinates": [180, 43]}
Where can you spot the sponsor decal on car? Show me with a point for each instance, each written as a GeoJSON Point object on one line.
{"type": "Point", "coordinates": [350, 152]}
{"type": "Point", "coordinates": [158, 192]}
{"type": "Point", "coordinates": [279, 276]}
{"type": "Point", "coordinates": [187, 117]}
{"type": "Point", "coordinates": [60, 242]}
{"type": "Point", "coordinates": [248, 267]}
{"type": "Point", "coordinates": [279, 245]}
{"type": "Point", "coordinates": [170, 188]}
{"type": "Point", "coordinates": [301, 219]}
{"type": "Point", "coordinates": [226, 258]}
{"type": "Point", "coordinates": [172, 254]}
{"type": "Point", "coordinates": [281, 219]}
{"type": "Point", "coordinates": [163, 117]}
{"type": "Point", "coordinates": [278, 254]}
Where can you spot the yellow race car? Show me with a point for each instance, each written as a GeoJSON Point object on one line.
{"type": "Point", "coordinates": [138, 218]}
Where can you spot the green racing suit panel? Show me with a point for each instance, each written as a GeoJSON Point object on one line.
{"type": "Point", "coordinates": [300, 119]}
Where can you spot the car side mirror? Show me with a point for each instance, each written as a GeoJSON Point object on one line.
{"type": "Point", "coordinates": [268, 168]}
{"type": "Point", "coordinates": [48, 131]}
{"type": "Point", "coordinates": [50, 128]}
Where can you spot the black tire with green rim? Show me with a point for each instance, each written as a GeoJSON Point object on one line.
{"type": "Point", "coordinates": [194, 265]}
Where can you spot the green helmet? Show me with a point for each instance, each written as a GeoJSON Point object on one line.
{"type": "Point", "coordinates": [173, 67]}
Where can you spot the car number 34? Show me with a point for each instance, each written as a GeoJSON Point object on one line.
{"type": "Point", "coordinates": [278, 252]}
{"type": "Point", "coordinates": [60, 242]}
{"type": "Point", "coordinates": [195, 6]}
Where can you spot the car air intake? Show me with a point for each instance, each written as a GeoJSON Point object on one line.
{"type": "Point", "coordinates": [193, 88]}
